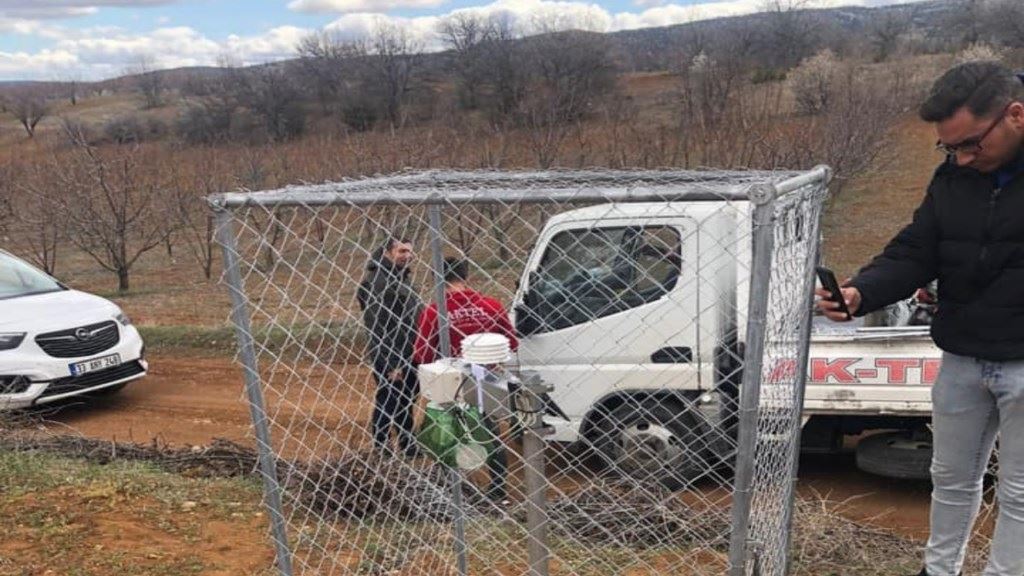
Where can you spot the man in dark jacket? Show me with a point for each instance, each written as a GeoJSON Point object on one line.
{"type": "Point", "coordinates": [969, 234]}
{"type": "Point", "coordinates": [390, 309]}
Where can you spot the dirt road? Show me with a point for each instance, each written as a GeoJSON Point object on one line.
{"type": "Point", "coordinates": [191, 400]}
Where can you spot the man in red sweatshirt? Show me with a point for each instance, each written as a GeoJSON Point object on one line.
{"type": "Point", "coordinates": [469, 312]}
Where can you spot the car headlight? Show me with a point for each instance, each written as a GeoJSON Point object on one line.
{"type": "Point", "coordinates": [123, 319]}
{"type": "Point", "coordinates": [11, 340]}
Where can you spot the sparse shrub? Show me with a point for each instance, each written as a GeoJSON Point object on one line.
{"type": "Point", "coordinates": [767, 75]}
{"type": "Point", "coordinates": [813, 82]}
{"type": "Point", "coordinates": [205, 122]}
{"type": "Point", "coordinates": [132, 129]}
{"type": "Point", "coordinates": [980, 52]}
{"type": "Point", "coordinates": [359, 117]}
{"type": "Point", "coordinates": [74, 130]}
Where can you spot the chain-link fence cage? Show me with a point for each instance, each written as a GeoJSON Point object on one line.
{"type": "Point", "coordinates": [609, 428]}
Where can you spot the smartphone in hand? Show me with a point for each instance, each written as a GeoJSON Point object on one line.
{"type": "Point", "coordinates": [829, 282]}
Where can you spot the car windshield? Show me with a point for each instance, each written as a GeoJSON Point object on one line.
{"type": "Point", "coordinates": [19, 279]}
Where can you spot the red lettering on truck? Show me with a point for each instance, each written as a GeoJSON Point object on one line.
{"type": "Point", "coordinates": [897, 368]}
{"type": "Point", "coordinates": [892, 370]}
{"type": "Point", "coordinates": [838, 370]}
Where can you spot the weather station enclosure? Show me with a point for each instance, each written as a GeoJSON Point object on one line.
{"type": "Point", "coordinates": [647, 420]}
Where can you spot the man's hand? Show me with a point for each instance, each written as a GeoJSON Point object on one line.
{"type": "Point", "coordinates": [831, 309]}
{"type": "Point", "coordinates": [395, 375]}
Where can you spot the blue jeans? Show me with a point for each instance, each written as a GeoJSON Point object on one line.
{"type": "Point", "coordinates": [972, 401]}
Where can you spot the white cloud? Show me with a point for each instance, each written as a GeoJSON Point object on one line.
{"type": "Point", "coordinates": [15, 64]}
{"type": "Point", "coordinates": [100, 52]}
{"type": "Point", "coordinates": [97, 53]}
{"type": "Point", "coordinates": [40, 9]}
{"type": "Point", "coordinates": [274, 44]}
{"type": "Point", "coordinates": [527, 15]}
{"type": "Point", "coordinates": [669, 14]}
{"type": "Point", "coordinates": [19, 26]}
{"type": "Point", "coordinates": [356, 6]}
{"type": "Point", "coordinates": [422, 30]}
{"type": "Point", "coordinates": [537, 15]}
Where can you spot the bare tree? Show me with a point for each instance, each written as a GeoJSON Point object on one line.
{"type": "Point", "coordinates": [114, 204]}
{"type": "Point", "coordinates": [467, 35]}
{"type": "Point", "coordinates": [791, 33]}
{"type": "Point", "coordinates": [570, 74]}
{"type": "Point", "coordinates": [196, 221]}
{"type": "Point", "coordinates": [148, 81]}
{"type": "Point", "coordinates": [1005, 20]}
{"type": "Point", "coordinates": [508, 73]}
{"type": "Point", "coordinates": [40, 223]}
{"type": "Point", "coordinates": [712, 73]}
{"type": "Point", "coordinates": [814, 83]}
{"type": "Point", "coordinates": [270, 93]}
{"type": "Point", "coordinates": [29, 106]}
{"type": "Point", "coordinates": [8, 175]}
{"type": "Point", "coordinates": [886, 31]}
{"type": "Point", "coordinates": [71, 86]}
{"type": "Point", "coordinates": [395, 58]}
{"type": "Point", "coordinates": [332, 66]}
{"type": "Point", "coordinates": [573, 70]}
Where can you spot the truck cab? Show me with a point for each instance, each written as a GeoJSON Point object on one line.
{"type": "Point", "coordinates": [634, 313]}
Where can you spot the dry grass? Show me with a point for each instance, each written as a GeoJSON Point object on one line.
{"type": "Point", "coordinates": [376, 516]}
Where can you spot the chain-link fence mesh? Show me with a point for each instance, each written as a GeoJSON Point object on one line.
{"type": "Point", "coordinates": [607, 442]}
{"type": "Point", "coordinates": [788, 229]}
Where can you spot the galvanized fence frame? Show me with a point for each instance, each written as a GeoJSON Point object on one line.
{"type": "Point", "coordinates": [767, 192]}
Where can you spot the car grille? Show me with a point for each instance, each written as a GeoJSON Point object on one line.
{"type": "Point", "coordinates": [75, 383]}
{"type": "Point", "coordinates": [67, 344]}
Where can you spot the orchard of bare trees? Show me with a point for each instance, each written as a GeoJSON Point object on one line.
{"type": "Point", "coordinates": [785, 88]}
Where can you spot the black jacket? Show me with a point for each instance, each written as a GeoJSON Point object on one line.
{"type": "Point", "coordinates": [968, 233]}
{"type": "Point", "coordinates": [390, 310]}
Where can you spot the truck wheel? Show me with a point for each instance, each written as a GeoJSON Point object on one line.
{"type": "Point", "coordinates": [653, 441]}
{"type": "Point", "coordinates": [896, 455]}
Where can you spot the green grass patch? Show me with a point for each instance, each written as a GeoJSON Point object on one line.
{"type": "Point", "coordinates": [316, 338]}
{"type": "Point", "coordinates": [30, 472]}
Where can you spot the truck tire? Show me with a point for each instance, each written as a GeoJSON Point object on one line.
{"type": "Point", "coordinates": [652, 441]}
{"type": "Point", "coordinates": [904, 455]}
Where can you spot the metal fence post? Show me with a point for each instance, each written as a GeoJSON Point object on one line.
{"type": "Point", "coordinates": [258, 412]}
{"type": "Point", "coordinates": [444, 343]}
{"type": "Point", "coordinates": [535, 461]}
{"type": "Point", "coordinates": [536, 490]}
{"type": "Point", "coordinates": [801, 377]}
{"type": "Point", "coordinates": [763, 197]}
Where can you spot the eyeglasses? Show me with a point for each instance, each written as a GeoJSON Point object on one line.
{"type": "Point", "coordinates": [972, 145]}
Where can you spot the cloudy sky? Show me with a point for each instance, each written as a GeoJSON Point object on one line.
{"type": "Point", "coordinates": [94, 39]}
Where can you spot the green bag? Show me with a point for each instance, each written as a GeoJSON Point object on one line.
{"type": "Point", "coordinates": [444, 429]}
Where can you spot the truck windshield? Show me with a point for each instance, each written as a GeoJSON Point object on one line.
{"type": "Point", "coordinates": [19, 279]}
{"type": "Point", "coordinates": [590, 273]}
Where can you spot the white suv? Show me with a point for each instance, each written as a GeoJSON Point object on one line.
{"type": "Point", "coordinates": [56, 342]}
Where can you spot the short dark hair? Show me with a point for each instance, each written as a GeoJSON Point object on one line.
{"type": "Point", "coordinates": [983, 87]}
{"type": "Point", "coordinates": [456, 270]}
{"type": "Point", "coordinates": [392, 240]}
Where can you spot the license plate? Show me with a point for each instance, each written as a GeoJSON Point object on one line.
{"type": "Point", "coordinates": [79, 368]}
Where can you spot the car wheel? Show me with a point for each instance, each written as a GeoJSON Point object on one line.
{"type": "Point", "coordinates": [652, 440]}
{"type": "Point", "coordinates": [903, 455]}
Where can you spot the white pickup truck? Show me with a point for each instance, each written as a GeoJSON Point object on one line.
{"type": "Point", "coordinates": [628, 310]}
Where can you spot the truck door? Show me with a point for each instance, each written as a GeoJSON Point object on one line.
{"type": "Point", "coordinates": [610, 307]}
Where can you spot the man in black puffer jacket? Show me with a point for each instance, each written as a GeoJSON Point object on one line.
{"type": "Point", "coordinates": [391, 308]}
{"type": "Point", "coordinates": [969, 234]}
